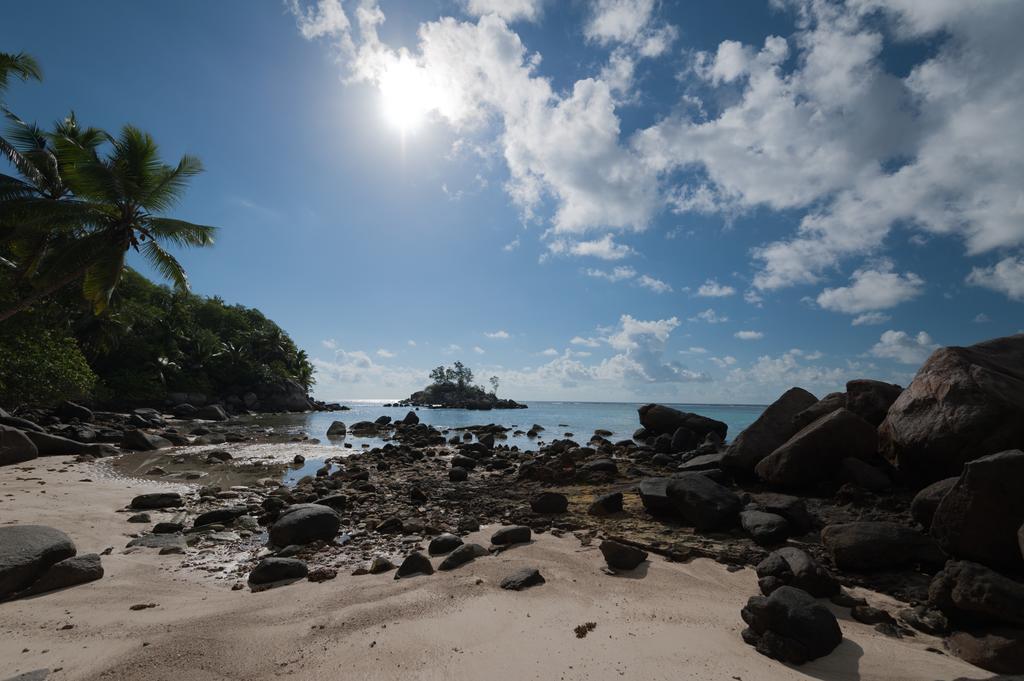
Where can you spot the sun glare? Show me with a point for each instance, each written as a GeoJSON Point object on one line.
{"type": "Point", "coordinates": [405, 95]}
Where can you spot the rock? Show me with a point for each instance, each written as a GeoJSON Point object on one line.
{"type": "Point", "coordinates": [769, 432]}
{"type": "Point", "coordinates": [867, 614]}
{"type": "Point", "coordinates": [487, 440]}
{"type": "Point", "coordinates": [979, 517]}
{"type": "Point", "coordinates": [304, 523]}
{"type": "Point", "coordinates": [814, 453]}
{"type": "Point", "coordinates": [522, 579]}
{"type": "Point", "coordinates": [185, 410]}
{"type": "Point", "coordinates": [220, 516]}
{"type": "Point", "coordinates": [863, 475]}
{"type": "Point", "coordinates": [964, 589]}
{"type": "Point", "coordinates": [683, 440]}
{"type": "Point", "coordinates": [336, 501]}
{"type": "Point", "coordinates": [517, 534]}
{"type": "Point", "coordinates": [54, 445]}
{"type": "Point", "coordinates": [964, 402]}
{"type": "Point", "coordinates": [212, 412]}
{"type": "Point", "coordinates": [549, 502]}
{"type": "Point", "coordinates": [68, 572]}
{"type": "Point", "coordinates": [606, 504]}
{"type": "Point", "coordinates": [601, 466]}
{"type": "Point", "coordinates": [1000, 650]}
{"type": "Point", "coordinates": [15, 446]}
{"type": "Point", "coordinates": [443, 544]}
{"type": "Point", "coordinates": [271, 570]}
{"type": "Point", "coordinates": [1020, 539]}
{"type": "Point", "coordinates": [69, 411]}
{"type": "Point", "coordinates": [789, 507]}
{"type": "Point", "coordinates": [156, 500]}
{"type": "Point", "coordinates": [764, 528]}
{"type": "Point", "coordinates": [790, 626]}
{"type": "Point", "coordinates": [139, 518]}
{"type": "Point", "coordinates": [218, 455]}
{"type": "Point", "coordinates": [866, 546]}
{"type": "Point", "coordinates": [823, 407]}
{"type": "Point", "coordinates": [414, 564]}
{"type": "Point", "coordinates": [654, 495]}
{"type": "Point", "coordinates": [923, 618]}
{"type": "Point", "coordinates": [659, 419]}
{"type": "Point", "coordinates": [703, 462]}
{"type": "Point", "coordinates": [391, 525]}
{"type": "Point", "coordinates": [463, 461]}
{"type": "Point", "coordinates": [621, 556]}
{"type": "Point", "coordinates": [20, 423]}
{"type": "Point", "coordinates": [167, 528]}
{"type": "Point", "coordinates": [458, 474]}
{"type": "Point", "coordinates": [27, 552]}
{"type": "Point", "coordinates": [461, 556]}
{"type": "Point", "coordinates": [411, 419]}
{"type": "Point", "coordinates": [703, 502]}
{"type": "Point", "coordinates": [321, 574]}
{"type": "Point", "coordinates": [142, 441]}
{"type": "Point", "coordinates": [871, 400]}
{"type": "Point", "coordinates": [797, 568]}
{"type": "Point", "coordinates": [380, 564]}
{"type": "Point", "coordinates": [337, 429]}
{"type": "Point", "coordinates": [925, 502]}
{"type": "Point", "coordinates": [166, 543]}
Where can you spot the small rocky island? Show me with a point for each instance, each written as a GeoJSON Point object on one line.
{"type": "Point", "coordinates": [453, 388]}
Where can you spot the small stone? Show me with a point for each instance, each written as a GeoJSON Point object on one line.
{"type": "Point", "coordinates": [522, 579]}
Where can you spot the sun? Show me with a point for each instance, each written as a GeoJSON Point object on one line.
{"type": "Point", "coordinates": [405, 94]}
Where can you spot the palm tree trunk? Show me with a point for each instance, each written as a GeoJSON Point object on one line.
{"type": "Point", "coordinates": [43, 293]}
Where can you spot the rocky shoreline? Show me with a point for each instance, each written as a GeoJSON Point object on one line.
{"type": "Point", "coordinates": [820, 497]}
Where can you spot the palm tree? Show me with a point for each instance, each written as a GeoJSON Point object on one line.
{"type": "Point", "coordinates": [20, 65]}
{"type": "Point", "coordinates": [115, 204]}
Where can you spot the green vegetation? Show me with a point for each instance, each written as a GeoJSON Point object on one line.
{"type": "Point", "coordinates": [453, 387]}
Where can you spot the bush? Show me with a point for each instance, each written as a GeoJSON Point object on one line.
{"type": "Point", "coordinates": [39, 366]}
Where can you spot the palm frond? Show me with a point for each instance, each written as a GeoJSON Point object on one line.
{"type": "Point", "coordinates": [20, 66]}
{"type": "Point", "coordinates": [102, 278]}
{"type": "Point", "coordinates": [179, 232]}
{"type": "Point", "coordinates": [166, 264]}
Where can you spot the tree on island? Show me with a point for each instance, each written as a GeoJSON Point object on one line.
{"type": "Point", "coordinates": [452, 386]}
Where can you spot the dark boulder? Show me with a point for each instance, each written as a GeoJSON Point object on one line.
{"type": "Point", "coordinates": [765, 528]}
{"type": "Point", "coordinates": [142, 441]}
{"type": "Point", "coordinates": [414, 564]}
{"type": "Point", "coordinates": [336, 501]}
{"type": "Point", "coordinates": [19, 423]}
{"type": "Point", "coordinates": [212, 412]}
{"type": "Point", "coordinates": [304, 523]}
{"type": "Point", "coordinates": [271, 570]}
{"type": "Point", "coordinates": [790, 626]}
{"type": "Point", "coordinates": [27, 552]}
{"type": "Point", "coordinates": [522, 578]}
{"type": "Point", "coordinates": [69, 411]}
{"type": "Point", "coordinates": [54, 445]}
{"type": "Point", "coordinates": [155, 500]}
{"type": "Point", "coordinates": [654, 495]}
{"type": "Point", "coordinates": [926, 502]}
{"type": "Point", "coordinates": [458, 474]}
{"type": "Point", "coordinates": [814, 453]}
{"type": "Point", "coordinates": [443, 544]}
{"type": "Point", "coordinates": [972, 592]}
{"type": "Point", "coordinates": [549, 502]}
{"type": "Point", "coordinates": [866, 546]}
{"type": "Point", "coordinates": [517, 534]}
{"type": "Point", "coordinates": [68, 572]}
{"type": "Point", "coordinates": [703, 502]}
{"type": "Point", "coordinates": [621, 556]}
{"type": "Point", "coordinates": [461, 556]}
{"type": "Point", "coordinates": [683, 440]}
{"type": "Point", "coordinates": [380, 565]}
{"type": "Point", "coordinates": [979, 516]}
{"type": "Point", "coordinates": [997, 650]}
{"type": "Point", "coordinates": [861, 474]}
{"type": "Point", "coordinates": [601, 466]}
{"type": "Point", "coordinates": [463, 461]}
{"type": "Point", "coordinates": [769, 432]}
{"type": "Point", "coordinates": [411, 419]}
{"type": "Point", "coordinates": [337, 429]}
{"type": "Point", "coordinates": [871, 400]}
{"type": "Point", "coordinates": [15, 446]}
{"type": "Point", "coordinates": [964, 402]}
{"type": "Point", "coordinates": [823, 407]}
{"type": "Point", "coordinates": [795, 567]}
{"type": "Point", "coordinates": [606, 504]}
{"type": "Point", "coordinates": [793, 509]}
{"type": "Point", "coordinates": [658, 419]}
{"type": "Point", "coordinates": [219, 516]}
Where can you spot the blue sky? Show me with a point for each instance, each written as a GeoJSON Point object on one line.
{"type": "Point", "coordinates": [620, 199]}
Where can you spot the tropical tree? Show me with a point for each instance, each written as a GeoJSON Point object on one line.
{"type": "Point", "coordinates": [494, 384]}
{"type": "Point", "coordinates": [20, 65]}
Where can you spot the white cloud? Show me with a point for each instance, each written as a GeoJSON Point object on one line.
{"type": "Point", "coordinates": [550, 352]}
{"type": "Point", "coordinates": [411, 343]}
{"type": "Point", "coordinates": [330, 344]}
{"type": "Point", "coordinates": [629, 22]}
{"type": "Point", "coordinates": [1006, 277]}
{"type": "Point", "coordinates": [509, 10]}
{"type": "Point", "coordinates": [773, 375]}
{"type": "Point", "coordinates": [749, 335]}
{"type": "Point", "coordinates": [870, 319]}
{"type": "Point", "coordinates": [872, 289]}
{"type": "Point", "coordinates": [617, 274]}
{"type": "Point", "coordinates": [710, 316]}
{"type": "Point", "coordinates": [724, 362]}
{"type": "Point", "coordinates": [385, 354]}
{"type": "Point", "coordinates": [586, 342]}
{"type": "Point", "coordinates": [656, 285]}
{"type": "Point", "coordinates": [353, 374]}
{"type": "Point", "coordinates": [712, 289]}
{"type": "Point", "coordinates": [605, 248]}
{"type": "Point", "coordinates": [500, 334]}
{"type": "Point", "coordinates": [511, 245]}
{"type": "Point", "coordinates": [451, 349]}
{"type": "Point", "coordinates": [982, 318]}
{"type": "Point", "coordinates": [324, 18]}
{"type": "Point", "coordinates": [696, 350]}
{"type": "Point", "coordinates": [904, 348]}
{"type": "Point", "coordinates": [478, 350]}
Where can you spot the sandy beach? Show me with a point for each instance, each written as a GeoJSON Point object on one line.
{"type": "Point", "coordinates": [669, 621]}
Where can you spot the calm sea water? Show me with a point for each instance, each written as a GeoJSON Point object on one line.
{"type": "Point", "coordinates": [558, 418]}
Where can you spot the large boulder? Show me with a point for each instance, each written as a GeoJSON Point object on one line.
{"type": "Point", "coordinates": [703, 502]}
{"type": "Point", "coordinates": [271, 570]}
{"type": "Point", "coordinates": [964, 402]}
{"type": "Point", "coordinates": [304, 523]}
{"type": "Point", "coordinates": [549, 502]}
{"type": "Point", "coordinates": [662, 420]}
{"type": "Point", "coordinates": [871, 400]}
{"type": "Point", "coordinates": [337, 429]}
{"type": "Point", "coordinates": [68, 572]}
{"type": "Point", "coordinates": [765, 528]}
{"type": "Point", "coordinates": [284, 396]}
{"type": "Point", "coordinates": [621, 556]}
{"type": "Point", "coordinates": [27, 552]}
{"type": "Point", "coordinates": [795, 567]}
{"type": "Point", "coordinates": [769, 432]}
{"type": "Point", "coordinates": [790, 626]}
{"type": "Point", "coordinates": [979, 516]}
{"type": "Point", "coordinates": [965, 590]}
{"type": "Point", "coordinates": [927, 500]}
{"type": "Point", "coordinates": [516, 534]}
{"type": "Point", "coordinates": [155, 500]}
{"type": "Point", "coordinates": [142, 441]}
{"type": "Point", "coordinates": [69, 411]}
{"type": "Point", "coordinates": [823, 407]}
{"type": "Point", "coordinates": [212, 412]}
{"type": "Point", "coordinates": [865, 546]}
{"type": "Point", "coordinates": [814, 453]}
{"type": "Point", "coordinates": [54, 445]}
{"type": "Point", "coordinates": [996, 650]}
{"type": "Point", "coordinates": [15, 446]}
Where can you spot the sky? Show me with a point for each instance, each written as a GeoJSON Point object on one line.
{"type": "Point", "coordinates": [608, 200]}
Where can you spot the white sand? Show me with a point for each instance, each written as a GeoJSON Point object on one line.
{"type": "Point", "coordinates": [676, 621]}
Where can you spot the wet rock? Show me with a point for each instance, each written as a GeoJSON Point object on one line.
{"type": "Point", "coordinates": [68, 572]}
{"type": "Point", "coordinates": [304, 523]}
{"type": "Point", "coordinates": [814, 453]}
{"type": "Point", "coordinates": [271, 570]}
{"type": "Point", "coordinates": [606, 504]}
{"type": "Point", "coordinates": [659, 419]}
{"type": "Point", "coordinates": [972, 591]}
{"type": "Point", "coordinates": [769, 432]}
{"type": "Point", "coordinates": [522, 579]}
{"type": "Point", "coordinates": [999, 650]}
{"type": "Point", "coordinates": [142, 441]}
{"type": "Point", "coordinates": [790, 626]}
{"type": "Point", "coordinates": [27, 552]}
{"type": "Point", "coordinates": [866, 546]}
{"type": "Point", "coordinates": [795, 567]}
{"type": "Point", "coordinates": [461, 556]}
{"type": "Point", "coordinates": [218, 455]}
{"type": "Point", "coordinates": [764, 528]}
{"type": "Point", "coordinates": [443, 544]}
{"type": "Point", "coordinates": [621, 556]}
{"type": "Point", "coordinates": [156, 500]}
{"type": "Point", "coordinates": [15, 446]}
{"type": "Point", "coordinates": [414, 564]}
{"type": "Point", "coordinates": [549, 502]}
{"type": "Point", "coordinates": [871, 400]}
{"type": "Point", "coordinates": [517, 534]}
{"type": "Point", "coordinates": [979, 517]}
{"type": "Point", "coordinates": [703, 502]}
{"type": "Point", "coordinates": [337, 429]}
{"type": "Point", "coordinates": [964, 402]}
{"type": "Point", "coordinates": [925, 502]}
{"type": "Point", "coordinates": [463, 461]}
